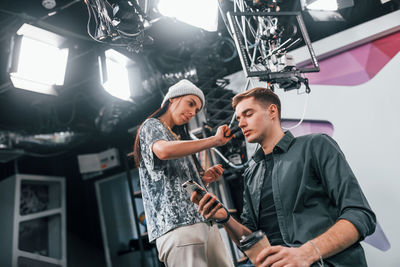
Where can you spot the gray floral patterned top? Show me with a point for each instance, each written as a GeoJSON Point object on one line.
{"type": "Point", "coordinates": [167, 205]}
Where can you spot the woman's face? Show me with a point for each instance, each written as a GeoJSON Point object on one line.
{"type": "Point", "coordinates": [184, 108]}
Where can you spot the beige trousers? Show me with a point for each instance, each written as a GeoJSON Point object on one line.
{"type": "Point", "coordinates": [197, 245]}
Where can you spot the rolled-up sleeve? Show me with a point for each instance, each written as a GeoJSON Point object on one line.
{"type": "Point", "coordinates": [342, 186]}
{"type": "Point", "coordinates": [150, 132]}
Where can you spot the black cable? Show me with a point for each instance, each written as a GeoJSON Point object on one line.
{"type": "Point", "coordinates": [73, 113]}
{"type": "Point", "coordinates": [32, 154]}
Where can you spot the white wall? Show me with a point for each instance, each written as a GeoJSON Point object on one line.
{"type": "Point", "coordinates": [366, 121]}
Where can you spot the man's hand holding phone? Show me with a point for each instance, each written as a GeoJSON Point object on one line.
{"type": "Point", "coordinates": [209, 206]}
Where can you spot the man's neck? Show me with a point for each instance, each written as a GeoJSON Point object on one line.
{"type": "Point", "coordinates": [271, 139]}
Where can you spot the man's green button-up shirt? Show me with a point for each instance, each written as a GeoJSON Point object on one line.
{"type": "Point", "coordinates": [313, 187]}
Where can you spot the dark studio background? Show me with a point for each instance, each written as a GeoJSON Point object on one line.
{"type": "Point", "coordinates": [100, 121]}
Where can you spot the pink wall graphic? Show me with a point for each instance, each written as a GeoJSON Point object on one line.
{"type": "Point", "coordinates": [357, 65]}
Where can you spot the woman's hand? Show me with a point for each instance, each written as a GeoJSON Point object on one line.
{"type": "Point", "coordinates": [213, 174]}
{"type": "Point", "coordinates": [223, 135]}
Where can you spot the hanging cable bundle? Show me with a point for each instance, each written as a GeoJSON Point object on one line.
{"type": "Point", "coordinates": [122, 23]}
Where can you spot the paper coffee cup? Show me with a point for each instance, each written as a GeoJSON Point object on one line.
{"type": "Point", "coordinates": [253, 244]}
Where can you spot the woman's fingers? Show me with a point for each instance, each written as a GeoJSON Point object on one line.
{"type": "Point", "coordinates": [223, 134]}
{"type": "Point", "coordinates": [219, 169]}
{"type": "Point", "coordinates": [213, 173]}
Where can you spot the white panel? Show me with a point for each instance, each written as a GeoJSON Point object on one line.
{"type": "Point", "coordinates": [350, 38]}
{"type": "Point", "coordinates": [367, 128]}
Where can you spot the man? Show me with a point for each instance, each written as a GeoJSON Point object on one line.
{"type": "Point", "coordinates": [300, 191]}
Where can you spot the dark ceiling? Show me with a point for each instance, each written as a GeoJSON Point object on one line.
{"type": "Point", "coordinates": [83, 107]}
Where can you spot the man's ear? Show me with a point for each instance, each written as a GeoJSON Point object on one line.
{"type": "Point", "coordinates": [273, 110]}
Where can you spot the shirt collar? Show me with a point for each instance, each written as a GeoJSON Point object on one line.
{"type": "Point", "coordinates": [282, 146]}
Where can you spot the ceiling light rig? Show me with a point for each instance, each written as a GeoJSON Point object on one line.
{"type": "Point", "coordinates": [119, 23]}
{"type": "Point", "coordinates": [263, 45]}
{"type": "Point", "coordinates": [328, 5]}
{"type": "Point", "coordinates": [326, 10]}
{"type": "Point", "coordinates": [202, 14]}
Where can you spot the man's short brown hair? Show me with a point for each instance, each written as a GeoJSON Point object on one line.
{"type": "Point", "coordinates": [264, 96]}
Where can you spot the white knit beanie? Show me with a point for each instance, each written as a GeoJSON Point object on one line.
{"type": "Point", "coordinates": [184, 87]}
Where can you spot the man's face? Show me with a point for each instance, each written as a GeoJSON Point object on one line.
{"type": "Point", "coordinates": [254, 119]}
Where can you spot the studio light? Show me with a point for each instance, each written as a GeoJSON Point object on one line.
{"type": "Point", "coordinates": [120, 75]}
{"type": "Point", "coordinates": [202, 14]}
{"type": "Point", "coordinates": [37, 60]}
{"type": "Point", "coordinates": [325, 10]}
{"type": "Point", "coordinates": [328, 5]}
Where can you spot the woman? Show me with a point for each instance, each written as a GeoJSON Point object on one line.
{"type": "Point", "coordinates": [164, 154]}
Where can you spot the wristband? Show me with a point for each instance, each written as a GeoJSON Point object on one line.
{"type": "Point", "coordinates": [223, 221]}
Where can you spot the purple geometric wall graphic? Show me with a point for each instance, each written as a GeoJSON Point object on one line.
{"type": "Point", "coordinates": [378, 239]}
{"type": "Point", "coordinates": [358, 65]}
{"type": "Point", "coordinates": [308, 127]}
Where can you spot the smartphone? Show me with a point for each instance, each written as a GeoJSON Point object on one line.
{"type": "Point", "coordinates": [191, 186]}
